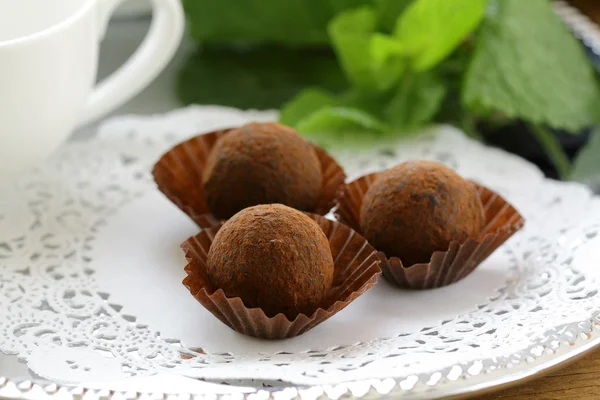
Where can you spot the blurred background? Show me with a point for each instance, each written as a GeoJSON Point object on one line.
{"type": "Point", "coordinates": [516, 74]}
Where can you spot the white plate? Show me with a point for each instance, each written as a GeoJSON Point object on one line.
{"type": "Point", "coordinates": [90, 272]}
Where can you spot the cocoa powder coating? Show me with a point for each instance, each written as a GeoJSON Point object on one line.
{"type": "Point", "coordinates": [419, 207]}
{"type": "Point", "coordinates": [273, 257]}
{"type": "Point", "coordinates": [261, 163]}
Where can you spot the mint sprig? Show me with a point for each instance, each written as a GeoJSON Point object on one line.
{"type": "Point", "coordinates": [527, 65]}
{"type": "Point", "coordinates": [394, 66]}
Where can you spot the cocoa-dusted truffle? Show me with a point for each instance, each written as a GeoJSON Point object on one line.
{"type": "Point", "coordinates": [419, 207]}
{"type": "Point", "coordinates": [273, 257]}
{"type": "Point", "coordinates": [261, 163]}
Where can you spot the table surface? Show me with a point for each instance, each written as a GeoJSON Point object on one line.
{"type": "Point", "coordinates": [580, 380]}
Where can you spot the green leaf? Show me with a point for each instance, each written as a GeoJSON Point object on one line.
{"type": "Point", "coordinates": [263, 78]}
{"type": "Point", "coordinates": [387, 64]}
{"type": "Point", "coordinates": [587, 163]}
{"type": "Point", "coordinates": [305, 104]}
{"type": "Point", "coordinates": [382, 49]}
{"type": "Point", "coordinates": [372, 103]}
{"type": "Point", "coordinates": [350, 34]}
{"type": "Point", "coordinates": [527, 65]}
{"type": "Point", "coordinates": [388, 12]}
{"type": "Point", "coordinates": [417, 101]}
{"type": "Point", "coordinates": [430, 30]}
{"type": "Point", "coordinates": [344, 127]}
{"type": "Point", "coordinates": [371, 61]}
{"type": "Point", "coordinates": [335, 119]}
{"type": "Point", "coordinates": [296, 22]}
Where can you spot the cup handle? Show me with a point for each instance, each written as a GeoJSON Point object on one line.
{"type": "Point", "coordinates": [145, 64]}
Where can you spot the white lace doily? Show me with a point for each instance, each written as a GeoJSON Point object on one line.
{"type": "Point", "coordinates": [90, 273]}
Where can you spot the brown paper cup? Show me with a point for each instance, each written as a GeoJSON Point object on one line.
{"type": "Point", "coordinates": [445, 267]}
{"type": "Point", "coordinates": [356, 270]}
{"type": "Point", "coordinates": [178, 175]}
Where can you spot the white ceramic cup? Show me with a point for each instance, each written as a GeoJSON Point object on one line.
{"type": "Point", "coordinates": [48, 64]}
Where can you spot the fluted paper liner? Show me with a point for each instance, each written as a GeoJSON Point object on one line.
{"type": "Point", "coordinates": [445, 267]}
{"type": "Point", "coordinates": [178, 175]}
{"type": "Point", "coordinates": [356, 270]}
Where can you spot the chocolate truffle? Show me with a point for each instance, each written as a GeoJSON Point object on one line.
{"type": "Point", "coordinates": [419, 207]}
{"type": "Point", "coordinates": [273, 257]}
{"type": "Point", "coordinates": [261, 163]}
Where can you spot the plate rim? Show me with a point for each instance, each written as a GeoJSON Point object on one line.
{"type": "Point", "coordinates": [39, 389]}
{"type": "Point", "coordinates": [473, 385]}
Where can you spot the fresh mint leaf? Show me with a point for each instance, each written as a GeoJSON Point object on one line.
{"type": "Point", "coordinates": [586, 166]}
{"type": "Point", "coordinates": [528, 66]}
{"type": "Point", "coordinates": [349, 139]}
{"type": "Point", "coordinates": [295, 22]}
{"type": "Point", "coordinates": [335, 119]}
{"type": "Point", "coordinates": [262, 78]}
{"type": "Point", "coordinates": [305, 104]}
{"type": "Point", "coordinates": [343, 126]}
{"type": "Point", "coordinates": [417, 101]}
{"type": "Point", "coordinates": [387, 65]}
{"type": "Point", "coordinates": [350, 34]}
{"type": "Point", "coordinates": [430, 30]}
{"type": "Point", "coordinates": [371, 61]}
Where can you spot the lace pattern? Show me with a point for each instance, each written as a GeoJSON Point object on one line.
{"type": "Point", "coordinates": [56, 318]}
